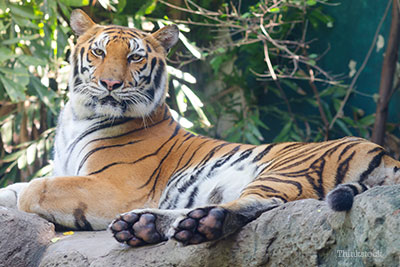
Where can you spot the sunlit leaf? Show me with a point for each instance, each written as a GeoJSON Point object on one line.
{"type": "Point", "coordinates": [31, 154]}
{"type": "Point", "coordinates": [45, 94]}
{"type": "Point", "coordinates": [75, 3]}
{"type": "Point", "coordinates": [44, 171]}
{"type": "Point", "coordinates": [274, 10]}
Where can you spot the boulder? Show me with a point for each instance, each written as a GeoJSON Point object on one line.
{"type": "Point", "coordinates": [300, 233]}
{"type": "Point", "coordinates": [24, 238]}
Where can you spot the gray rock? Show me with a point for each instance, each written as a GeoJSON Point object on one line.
{"type": "Point", "coordinates": [301, 233]}
{"type": "Point", "coordinates": [23, 238]}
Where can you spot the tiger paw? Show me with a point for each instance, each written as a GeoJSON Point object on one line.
{"type": "Point", "coordinates": [136, 229]}
{"type": "Point", "coordinates": [201, 225]}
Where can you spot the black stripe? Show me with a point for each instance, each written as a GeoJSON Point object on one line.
{"type": "Point", "coordinates": [83, 69]}
{"type": "Point", "coordinates": [159, 74]}
{"type": "Point", "coordinates": [263, 153]}
{"type": "Point", "coordinates": [277, 180]}
{"type": "Point", "coordinates": [150, 94]}
{"type": "Point", "coordinates": [132, 34]}
{"type": "Point", "coordinates": [140, 159]}
{"type": "Point", "coordinates": [123, 134]}
{"type": "Point", "coordinates": [308, 155]}
{"type": "Point", "coordinates": [95, 127]}
{"type": "Point", "coordinates": [199, 169]}
{"type": "Point", "coordinates": [244, 155]}
{"type": "Point", "coordinates": [158, 169]}
{"type": "Point", "coordinates": [225, 158]}
{"type": "Point", "coordinates": [302, 153]}
{"type": "Point", "coordinates": [376, 149]}
{"type": "Point", "coordinates": [192, 196]}
{"type": "Point", "coordinates": [77, 82]}
{"type": "Point", "coordinates": [143, 68]}
{"type": "Point", "coordinates": [91, 152]}
{"type": "Point", "coordinates": [343, 169]}
{"type": "Point", "coordinates": [153, 65]}
{"type": "Point", "coordinates": [176, 174]}
{"type": "Point", "coordinates": [346, 149]}
{"type": "Point", "coordinates": [148, 48]}
{"type": "Point", "coordinates": [375, 162]}
{"type": "Point", "coordinates": [261, 187]}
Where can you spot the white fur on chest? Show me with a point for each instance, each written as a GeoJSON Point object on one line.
{"type": "Point", "coordinates": [71, 142]}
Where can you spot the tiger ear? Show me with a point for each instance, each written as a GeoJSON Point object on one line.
{"type": "Point", "coordinates": [168, 36]}
{"type": "Point", "coordinates": [80, 22]}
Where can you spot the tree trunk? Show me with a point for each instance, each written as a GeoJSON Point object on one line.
{"type": "Point", "coordinates": [387, 76]}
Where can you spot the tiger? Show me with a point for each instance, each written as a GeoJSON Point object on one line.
{"type": "Point", "coordinates": [121, 161]}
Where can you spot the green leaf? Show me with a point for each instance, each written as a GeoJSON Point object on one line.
{"type": "Point", "coordinates": [253, 140]}
{"type": "Point", "coordinates": [31, 154]}
{"type": "Point", "coordinates": [274, 10]}
{"type": "Point", "coordinates": [23, 11]}
{"type": "Point", "coordinates": [311, 2]}
{"type": "Point", "coordinates": [14, 156]}
{"type": "Point", "coordinates": [32, 61]}
{"type": "Point", "coordinates": [45, 94]}
{"type": "Point", "coordinates": [75, 3]}
{"type": "Point", "coordinates": [23, 22]}
{"type": "Point", "coordinates": [62, 41]}
{"type": "Point", "coordinates": [22, 160]}
{"type": "Point", "coordinates": [15, 91]}
{"type": "Point", "coordinates": [18, 39]}
{"type": "Point", "coordinates": [150, 8]}
{"type": "Point", "coordinates": [283, 135]}
{"type": "Point", "coordinates": [15, 71]}
{"type": "Point", "coordinates": [367, 120]}
{"type": "Point", "coordinates": [3, 5]}
{"type": "Point", "coordinates": [6, 54]}
{"type": "Point", "coordinates": [121, 5]}
{"type": "Point", "coordinates": [343, 127]}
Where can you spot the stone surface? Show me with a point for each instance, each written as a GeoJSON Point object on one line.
{"type": "Point", "coordinates": [301, 233]}
{"type": "Point", "coordinates": [23, 238]}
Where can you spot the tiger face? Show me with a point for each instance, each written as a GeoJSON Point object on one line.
{"type": "Point", "coordinates": [118, 71]}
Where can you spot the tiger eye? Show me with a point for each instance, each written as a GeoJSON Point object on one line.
{"type": "Point", "coordinates": [135, 58]}
{"type": "Point", "coordinates": [98, 52]}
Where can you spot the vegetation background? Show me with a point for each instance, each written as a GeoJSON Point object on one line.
{"type": "Point", "coordinates": [244, 71]}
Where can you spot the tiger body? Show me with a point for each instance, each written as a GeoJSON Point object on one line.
{"type": "Point", "coordinates": [119, 151]}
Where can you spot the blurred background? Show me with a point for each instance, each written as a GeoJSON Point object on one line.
{"type": "Point", "coordinates": [243, 71]}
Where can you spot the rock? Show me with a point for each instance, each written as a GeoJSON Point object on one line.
{"type": "Point", "coordinates": [23, 238]}
{"type": "Point", "coordinates": [301, 233]}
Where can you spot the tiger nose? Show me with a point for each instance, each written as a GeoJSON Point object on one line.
{"type": "Point", "coordinates": [111, 84]}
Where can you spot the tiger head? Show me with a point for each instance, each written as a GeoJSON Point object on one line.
{"type": "Point", "coordinates": [118, 71]}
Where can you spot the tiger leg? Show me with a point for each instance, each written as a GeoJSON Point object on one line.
{"type": "Point", "coordinates": [150, 226]}
{"type": "Point", "coordinates": [207, 223]}
{"type": "Point", "coordinates": [83, 203]}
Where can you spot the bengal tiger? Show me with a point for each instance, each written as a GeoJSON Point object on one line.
{"type": "Point", "coordinates": [118, 150]}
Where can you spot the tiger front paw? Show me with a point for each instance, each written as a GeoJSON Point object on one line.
{"type": "Point", "coordinates": [201, 225]}
{"type": "Point", "coordinates": [136, 229]}
{"type": "Point", "coordinates": [9, 195]}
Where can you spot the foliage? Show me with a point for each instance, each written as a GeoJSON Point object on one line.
{"type": "Point", "coordinates": [245, 72]}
